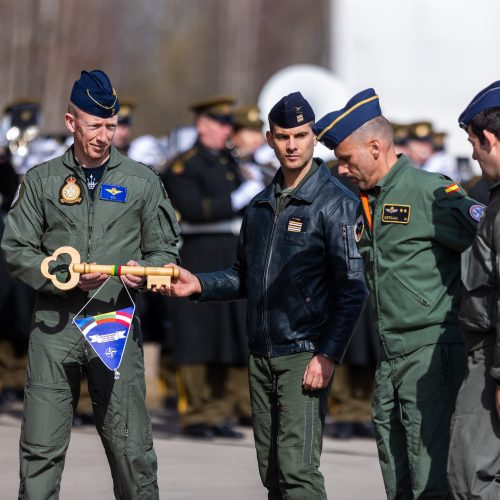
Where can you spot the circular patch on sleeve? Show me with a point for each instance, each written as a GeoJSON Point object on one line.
{"type": "Point", "coordinates": [359, 228]}
{"type": "Point", "coordinates": [476, 212]}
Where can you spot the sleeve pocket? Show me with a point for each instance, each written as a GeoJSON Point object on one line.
{"type": "Point", "coordinates": [168, 221]}
{"type": "Point", "coordinates": [353, 256]}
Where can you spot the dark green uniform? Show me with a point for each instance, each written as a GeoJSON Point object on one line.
{"type": "Point", "coordinates": [143, 228]}
{"type": "Point", "coordinates": [421, 224]}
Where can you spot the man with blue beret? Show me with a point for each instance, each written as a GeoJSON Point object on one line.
{"type": "Point", "coordinates": [411, 228]}
{"type": "Point", "coordinates": [301, 273]}
{"type": "Point", "coordinates": [113, 211]}
{"type": "Point", "coordinates": [474, 461]}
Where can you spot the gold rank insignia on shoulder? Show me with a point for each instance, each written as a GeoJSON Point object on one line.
{"type": "Point", "coordinates": [177, 168]}
{"type": "Point", "coordinates": [396, 214]}
{"type": "Point", "coordinates": [70, 192]}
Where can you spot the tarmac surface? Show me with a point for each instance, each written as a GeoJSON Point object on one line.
{"type": "Point", "coordinates": [191, 469]}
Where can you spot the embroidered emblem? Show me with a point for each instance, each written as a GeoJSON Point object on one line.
{"type": "Point", "coordinates": [359, 228]}
{"type": "Point", "coordinates": [91, 183]}
{"type": "Point", "coordinates": [299, 114]}
{"type": "Point", "coordinates": [70, 192]}
{"type": "Point", "coordinates": [452, 188]}
{"type": "Point", "coordinates": [396, 214]}
{"type": "Point", "coordinates": [296, 225]}
{"type": "Point", "coordinates": [113, 193]}
{"type": "Point", "coordinates": [476, 212]}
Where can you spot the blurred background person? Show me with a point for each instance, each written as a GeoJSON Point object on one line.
{"type": "Point", "coordinates": [123, 134]}
{"type": "Point", "coordinates": [209, 193]}
{"type": "Point", "coordinates": [249, 141]}
{"type": "Point", "coordinates": [401, 134]}
{"type": "Point", "coordinates": [19, 126]}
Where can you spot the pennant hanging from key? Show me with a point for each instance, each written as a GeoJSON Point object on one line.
{"type": "Point", "coordinates": [107, 334]}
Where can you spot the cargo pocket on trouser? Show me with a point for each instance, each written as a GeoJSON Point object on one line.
{"type": "Point", "coordinates": [299, 446]}
{"type": "Point", "coordinates": [45, 437]}
{"type": "Point", "coordinates": [128, 440]}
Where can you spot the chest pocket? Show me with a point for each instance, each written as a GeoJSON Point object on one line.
{"type": "Point", "coordinates": [296, 228]}
{"type": "Point", "coordinates": [60, 228]}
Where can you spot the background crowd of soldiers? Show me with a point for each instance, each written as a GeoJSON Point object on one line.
{"type": "Point", "coordinates": [195, 355]}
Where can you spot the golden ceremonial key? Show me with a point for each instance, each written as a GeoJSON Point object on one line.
{"type": "Point", "coordinates": [157, 276]}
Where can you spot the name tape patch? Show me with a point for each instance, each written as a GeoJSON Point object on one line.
{"type": "Point", "coordinates": [396, 214]}
{"type": "Point", "coordinates": [113, 193]}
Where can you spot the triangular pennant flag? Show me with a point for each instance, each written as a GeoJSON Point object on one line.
{"type": "Point", "coordinates": [107, 334]}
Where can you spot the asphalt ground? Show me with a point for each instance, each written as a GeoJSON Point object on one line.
{"type": "Point", "coordinates": [191, 469]}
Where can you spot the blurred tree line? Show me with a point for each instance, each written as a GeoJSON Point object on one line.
{"type": "Point", "coordinates": [162, 54]}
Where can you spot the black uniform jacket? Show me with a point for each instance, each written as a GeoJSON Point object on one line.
{"type": "Point", "coordinates": [200, 183]}
{"type": "Point", "coordinates": [299, 269]}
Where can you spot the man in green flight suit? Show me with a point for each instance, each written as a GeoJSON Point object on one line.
{"type": "Point", "coordinates": [411, 228]}
{"type": "Point", "coordinates": [113, 211]}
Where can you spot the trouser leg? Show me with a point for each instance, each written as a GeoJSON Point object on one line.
{"type": "Point", "coordinates": [237, 392]}
{"type": "Point", "coordinates": [265, 422]}
{"type": "Point", "coordinates": [123, 423]}
{"type": "Point", "coordinates": [202, 394]}
{"type": "Point", "coordinates": [51, 393]}
{"type": "Point", "coordinates": [351, 395]}
{"type": "Point", "coordinates": [300, 429]}
{"type": "Point", "coordinates": [390, 434]}
{"type": "Point", "coordinates": [429, 381]}
{"type": "Point", "coordinates": [474, 458]}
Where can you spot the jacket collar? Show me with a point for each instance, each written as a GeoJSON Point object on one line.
{"type": "Point", "coordinates": [397, 170]}
{"type": "Point", "coordinates": [306, 192]}
{"type": "Point", "coordinates": [115, 158]}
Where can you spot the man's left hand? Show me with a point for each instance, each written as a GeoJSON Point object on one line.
{"type": "Point", "coordinates": [318, 373]}
{"type": "Point", "coordinates": [132, 281]}
{"type": "Point", "coordinates": [497, 399]}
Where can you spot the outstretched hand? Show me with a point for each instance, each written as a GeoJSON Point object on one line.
{"type": "Point", "coordinates": [318, 373]}
{"type": "Point", "coordinates": [185, 285]}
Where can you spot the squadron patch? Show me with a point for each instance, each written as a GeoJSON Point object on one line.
{"type": "Point", "coordinates": [476, 212]}
{"type": "Point", "coordinates": [296, 225]}
{"type": "Point", "coordinates": [70, 192]}
{"type": "Point", "coordinates": [359, 228]}
{"type": "Point", "coordinates": [396, 214]}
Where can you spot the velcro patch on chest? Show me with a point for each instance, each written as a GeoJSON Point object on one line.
{"type": "Point", "coordinates": [296, 225]}
{"type": "Point", "coordinates": [396, 214]}
{"type": "Point", "coordinates": [113, 193]}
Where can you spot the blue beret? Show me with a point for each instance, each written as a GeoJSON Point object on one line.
{"type": "Point", "coordinates": [486, 99]}
{"type": "Point", "coordinates": [94, 94]}
{"type": "Point", "coordinates": [334, 127]}
{"type": "Point", "coordinates": [291, 111]}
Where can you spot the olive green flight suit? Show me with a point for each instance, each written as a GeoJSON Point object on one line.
{"type": "Point", "coordinates": [421, 222]}
{"type": "Point", "coordinates": [142, 227]}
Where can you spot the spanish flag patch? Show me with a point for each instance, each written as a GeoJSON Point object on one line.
{"type": "Point", "coordinates": [452, 188]}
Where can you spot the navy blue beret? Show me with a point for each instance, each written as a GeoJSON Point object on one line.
{"type": "Point", "coordinates": [94, 94]}
{"type": "Point", "coordinates": [486, 99]}
{"type": "Point", "coordinates": [291, 111]}
{"type": "Point", "coordinates": [334, 127]}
